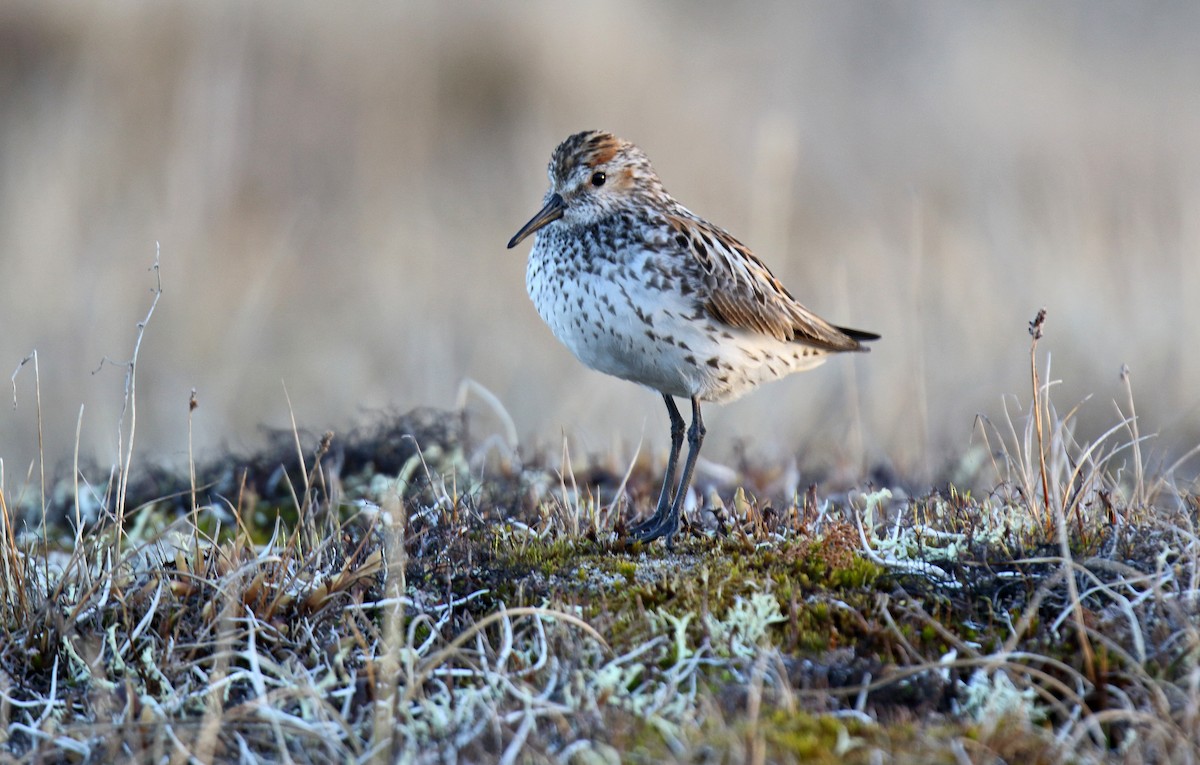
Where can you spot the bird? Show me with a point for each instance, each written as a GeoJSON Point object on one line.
{"type": "Point", "coordinates": [637, 286]}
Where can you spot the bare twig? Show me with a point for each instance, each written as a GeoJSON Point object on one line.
{"type": "Point", "coordinates": [1139, 475]}
{"type": "Point", "coordinates": [193, 403]}
{"type": "Point", "coordinates": [125, 450]}
{"type": "Point", "coordinates": [1035, 329]}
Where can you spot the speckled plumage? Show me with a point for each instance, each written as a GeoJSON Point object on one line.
{"type": "Point", "coordinates": [639, 287]}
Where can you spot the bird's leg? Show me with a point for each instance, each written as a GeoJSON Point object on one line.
{"type": "Point", "coordinates": [664, 496]}
{"type": "Point", "coordinates": [668, 525]}
{"type": "Point", "coordinates": [695, 439]}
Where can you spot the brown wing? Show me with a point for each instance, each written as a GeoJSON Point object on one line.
{"type": "Point", "coordinates": [741, 291]}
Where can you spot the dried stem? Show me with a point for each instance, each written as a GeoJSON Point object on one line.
{"type": "Point", "coordinates": [125, 450]}
{"type": "Point", "coordinates": [1035, 329]}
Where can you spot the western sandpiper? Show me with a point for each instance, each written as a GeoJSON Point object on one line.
{"type": "Point", "coordinates": [639, 287]}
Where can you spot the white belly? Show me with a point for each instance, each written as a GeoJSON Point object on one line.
{"type": "Point", "coordinates": [654, 335]}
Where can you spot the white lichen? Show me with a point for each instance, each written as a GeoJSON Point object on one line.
{"type": "Point", "coordinates": [989, 697]}
{"type": "Point", "coordinates": [745, 626]}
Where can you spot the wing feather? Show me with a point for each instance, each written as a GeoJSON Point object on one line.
{"type": "Point", "coordinates": [739, 289]}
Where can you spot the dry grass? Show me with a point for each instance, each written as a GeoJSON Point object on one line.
{"type": "Point", "coordinates": [463, 604]}
{"type": "Point", "coordinates": [333, 190]}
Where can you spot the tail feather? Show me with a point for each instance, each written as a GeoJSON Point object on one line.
{"type": "Point", "coordinates": [859, 335]}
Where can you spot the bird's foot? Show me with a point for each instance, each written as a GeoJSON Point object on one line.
{"type": "Point", "coordinates": [660, 512]}
{"type": "Point", "coordinates": [661, 524]}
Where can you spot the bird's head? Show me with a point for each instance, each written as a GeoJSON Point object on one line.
{"type": "Point", "coordinates": [593, 175]}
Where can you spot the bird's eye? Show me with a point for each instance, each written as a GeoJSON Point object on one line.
{"type": "Point", "coordinates": [598, 178]}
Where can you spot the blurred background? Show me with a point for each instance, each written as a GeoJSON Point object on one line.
{"type": "Point", "coordinates": [332, 187]}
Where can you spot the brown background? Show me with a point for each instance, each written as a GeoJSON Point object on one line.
{"type": "Point", "coordinates": [333, 185]}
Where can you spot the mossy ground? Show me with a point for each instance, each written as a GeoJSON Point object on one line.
{"type": "Point", "coordinates": [343, 611]}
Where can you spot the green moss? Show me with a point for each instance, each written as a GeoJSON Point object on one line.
{"type": "Point", "coordinates": [705, 578]}
{"type": "Point", "coordinates": [797, 736]}
{"type": "Point", "coordinates": [625, 568]}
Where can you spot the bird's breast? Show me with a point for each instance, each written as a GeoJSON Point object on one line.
{"type": "Point", "coordinates": [615, 311]}
{"type": "Point", "coordinates": [631, 314]}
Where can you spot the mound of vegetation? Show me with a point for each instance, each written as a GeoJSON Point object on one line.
{"type": "Point", "coordinates": [408, 593]}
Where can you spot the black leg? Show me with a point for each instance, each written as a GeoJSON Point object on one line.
{"type": "Point", "coordinates": [666, 525]}
{"type": "Point", "coordinates": [695, 439]}
{"type": "Point", "coordinates": [664, 496]}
